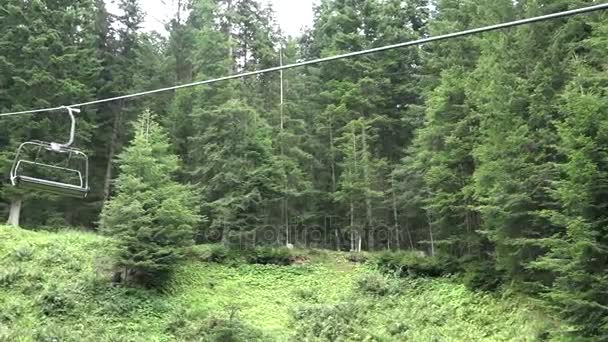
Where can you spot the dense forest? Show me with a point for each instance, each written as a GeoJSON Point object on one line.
{"type": "Point", "coordinates": [486, 153]}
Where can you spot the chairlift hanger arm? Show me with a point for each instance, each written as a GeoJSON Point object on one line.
{"type": "Point", "coordinates": [71, 111]}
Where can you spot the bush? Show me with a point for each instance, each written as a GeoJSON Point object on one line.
{"type": "Point", "coordinates": [23, 252]}
{"type": "Point", "coordinates": [225, 255]}
{"type": "Point", "coordinates": [218, 253]}
{"type": "Point", "coordinates": [306, 294]}
{"type": "Point", "coordinates": [329, 322]}
{"type": "Point", "coordinates": [215, 253]}
{"type": "Point", "coordinates": [10, 276]}
{"type": "Point", "coordinates": [482, 275]}
{"type": "Point", "coordinates": [270, 256]}
{"type": "Point", "coordinates": [124, 301]}
{"type": "Point", "coordinates": [199, 326]}
{"type": "Point", "coordinates": [53, 333]}
{"type": "Point", "coordinates": [374, 283]}
{"type": "Point", "coordinates": [228, 330]}
{"type": "Point", "coordinates": [11, 310]}
{"type": "Point", "coordinates": [357, 257]}
{"type": "Point", "coordinates": [411, 264]}
{"type": "Point", "coordinates": [55, 301]}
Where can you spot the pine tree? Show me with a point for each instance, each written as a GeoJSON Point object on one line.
{"type": "Point", "coordinates": [152, 217]}
{"type": "Point", "coordinates": [357, 188]}
{"type": "Point", "coordinates": [234, 166]}
{"type": "Point", "coordinates": [292, 158]}
{"type": "Point", "coordinates": [220, 128]}
{"type": "Point", "coordinates": [578, 252]}
{"type": "Point", "coordinates": [119, 47]}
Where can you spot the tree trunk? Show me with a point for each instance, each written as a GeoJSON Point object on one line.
{"type": "Point", "coordinates": [285, 209]}
{"type": "Point", "coordinates": [395, 214]}
{"type": "Point", "coordinates": [228, 32]}
{"type": "Point", "coordinates": [409, 233]}
{"type": "Point", "coordinates": [352, 226]}
{"type": "Point", "coordinates": [333, 157]}
{"type": "Point", "coordinates": [368, 201]}
{"type": "Point", "coordinates": [428, 217]}
{"type": "Point", "coordinates": [338, 240]}
{"type": "Point", "coordinates": [286, 221]}
{"type": "Point", "coordinates": [107, 185]}
{"type": "Point", "coordinates": [14, 212]}
{"type": "Point", "coordinates": [225, 234]}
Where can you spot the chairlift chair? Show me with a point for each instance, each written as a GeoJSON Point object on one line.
{"type": "Point", "coordinates": [21, 172]}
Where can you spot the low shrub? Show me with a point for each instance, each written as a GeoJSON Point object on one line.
{"type": "Point", "coordinates": [55, 301]}
{"type": "Point", "coordinates": [374, 283]}
{"type": "Point", "coordinates": [482, 275]}
{"type": "Point", "coordinates": [225, 255]}
{"type": "Point", "coordinates": [329, 322]}
{"type": "Point", "coordinates": [23, 252]}
{"type": "Point", "coordinates": [218, 253]}
{"type": "Point", "coordinates": [9, 276]}
{"type": "Point", "coordinates": [224, 330]}
{"type": "Point", "coordinates": [306, 294]}
{"type": "Point", "coordinates": [357, 257]}
{"type": "Point", "coordinates": [269, 256]}
{"type": "Point", "coordinates": [11, 310]}
{"type": "Point", "coordinates": [201, 326]}
{"type": "Point", "coordinates": [53, 333]}
{"type": "Point", "coordinates": [412, 264]}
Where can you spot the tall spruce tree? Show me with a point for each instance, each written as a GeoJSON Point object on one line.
{"type": "Point", "coordinates": [152, 217]}
{"type": "Point", "coordinates": [578, 251]}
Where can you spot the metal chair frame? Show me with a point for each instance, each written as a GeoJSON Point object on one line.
{"type": "Point", "coordinates": [80, 190]}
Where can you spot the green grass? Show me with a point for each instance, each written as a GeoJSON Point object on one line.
{"type": "Point", "coordinates": [55, 287]}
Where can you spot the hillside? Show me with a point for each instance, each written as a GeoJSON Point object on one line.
{"type": "Point", "coordinates": [55, 287]}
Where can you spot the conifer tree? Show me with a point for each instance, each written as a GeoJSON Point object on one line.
{"type": "Point", "coordinates": [151, 216]}
{"type": "Point", "coordinates": [578, 251]}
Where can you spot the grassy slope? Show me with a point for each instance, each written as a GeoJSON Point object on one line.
{"type": "Point", "coordinates": [54, 285]}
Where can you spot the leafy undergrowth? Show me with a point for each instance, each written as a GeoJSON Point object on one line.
{"type": "Point", "coordinates": [56, 287]}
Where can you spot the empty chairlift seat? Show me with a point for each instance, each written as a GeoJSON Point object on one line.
{"type": "Point", "coordinates": [52, 167]}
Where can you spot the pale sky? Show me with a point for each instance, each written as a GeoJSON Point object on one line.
{"type": "Point", "coordinates": [293, 14]}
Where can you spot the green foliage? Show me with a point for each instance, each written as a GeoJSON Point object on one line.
{"type": "Point", "coordinates": [357, 257]}
{"type": "Point", "coordinates": [330, 322]}
{"type": "Point", "coordinates": [55, 301]}
{"type": "Point", "coordinates": [152, 216]}
{"type": "Point", "coordinates": [377, 284]}
{"type": "Point", "coordinates": [306, 294]}
{"type": "Point", "coordinates": [225, 327]}
{"type": "Point", "coordinates": [411, 264]}
{"type": "Point", "coordinates": [10, 276]}
{"type": "Point", "coordinates": [490, 148]}
{"type": "Point", "coordinates": [218, 253]}
{"type": "Point", "coordinates": [482, 275]}
{"type": "Point", "coordinates": [23, 252]}
{"type": "Point", "coordinates": [270, 256]}
{"type": "Point", "coordinates": [577, 254]}
{"type": "Point", "coordinates": [214, 302]}
{"type": "Point", "coordinates": [48, 59]}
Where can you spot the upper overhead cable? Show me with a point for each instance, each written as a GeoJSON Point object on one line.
{"type": "Point", "coordinates": [336, 57]}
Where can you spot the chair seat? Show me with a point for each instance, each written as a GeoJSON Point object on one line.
{"type": "Point", "coordinates": [53, 187]}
